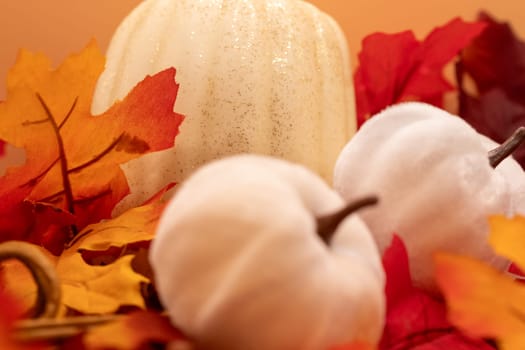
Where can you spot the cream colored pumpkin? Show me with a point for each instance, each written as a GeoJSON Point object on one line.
{"type": "Point", "coordinates": [239, 265]}
{"type": "Point", "coordinates": [259, 76]}
{"type": "Point", "coordinates": [431, 171]}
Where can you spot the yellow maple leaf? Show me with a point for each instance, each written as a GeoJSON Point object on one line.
{"type": "Point", "coordinates": [102, 289]}
{"type": "Point", "coordinates": [508, 237]}
{"type": "Point", "coordinates": [96, 289]}
{"type": "Point", "coordinates": [99, 289]}
{"type": "Point", "coordinates": [482, 301]}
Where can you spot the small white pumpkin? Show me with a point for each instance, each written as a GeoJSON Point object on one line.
{"type": "Point", "coordinates": [258, 76]}
{"type": "Point", "coordinates": [431, 171]}
{"type": "Point", "coordinates": [239, 265]}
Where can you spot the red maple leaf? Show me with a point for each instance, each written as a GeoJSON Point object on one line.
{"type": "Point", "coordinates": [416, 319]}
{"type": "Point", "coordinates": [397, 67]}
{"type": "Point", "coordinates": [72, 176]}
{"type": "Point", "coordinates": [12, 311]}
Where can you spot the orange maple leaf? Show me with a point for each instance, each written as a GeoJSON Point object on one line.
{"type": "Point", "coordinates": [482, 301]}
{"type": "Point", "coordinates": [72, 176]}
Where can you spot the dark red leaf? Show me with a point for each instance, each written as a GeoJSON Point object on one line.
{"type": "Point", "coordinates": [495, 115]}
{"type": "Point", "coordinates": [496, 63]}
{"type": "Point", "coordinates": [497, 59]}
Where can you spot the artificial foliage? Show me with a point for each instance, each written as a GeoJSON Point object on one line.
{"type": "Point", "coordinates": [61, 200]}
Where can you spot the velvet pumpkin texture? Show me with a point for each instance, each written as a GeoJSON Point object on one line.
{"type": "Point", "coordinates": [239, 264]}
{"type": "Point", "coordinates": [436, 185]}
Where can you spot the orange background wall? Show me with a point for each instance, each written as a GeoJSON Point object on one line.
{"type": "Point", "coordinates": [58, 27]}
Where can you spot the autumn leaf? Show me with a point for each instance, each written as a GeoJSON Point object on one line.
{"type": "Point", "coordinates": [482, 301]}
{"type": "Point", "coordinates": [507, 237]}
{"type": "Point", "coordinates": [412, 69]}
{"type": "Point", "coordinates": [132, 331]}
{"type": "Point", "coordinates": [72, 176]}
{"type": "Point", "coordinates": [415, 319]}
{"type": "Point", "coordinates": [493, 114]}
{"type": "Point", "coordinates": [8, 316]}
{"type": "Point", "coordinates": [354, 346]}
{"type": "Point", "coordinates": [413, 316]}
{"type": "Point", "coordinates": [103, 288]}
{"type": "Point", "coordinates": [496, 58]}
{"type": "Point", "coordinates": [495, 62]}
{"type": "Point", "coordinates": [18, 281]}
{"type": "Point", "coordinates": [11, 312]}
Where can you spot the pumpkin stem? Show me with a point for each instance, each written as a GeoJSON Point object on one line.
{"type": "Point", "coordinates": [497, 155]}
{"type": "Point", "coordinates": [327, 224]}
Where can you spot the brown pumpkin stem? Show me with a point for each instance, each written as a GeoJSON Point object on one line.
{"type": "Point", "coordinates": [497, 155]}
{"type": "Point", "coordinates": [43, 272]}
{"type": "Point", "coordinates": [327, 224]}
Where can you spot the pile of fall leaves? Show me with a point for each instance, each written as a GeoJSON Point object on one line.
{"type": "Point", "coordinates": [61, 200]}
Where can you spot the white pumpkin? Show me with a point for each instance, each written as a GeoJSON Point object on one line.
{"type": "Point", "coordinates": [431, 171]}
{"type": "Point", "coordinates": [259, 76]}
{"type": "Point", "coordinates": [239, 265]}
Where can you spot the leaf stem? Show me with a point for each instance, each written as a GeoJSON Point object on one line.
{"type": "Point", "coordinates": [97, 157]}
{"type": "Point", "coordinates": [326, 225]}
{"type": "Point", "coordinates": [37, 178]}
{"type": "Point", "coordinates": [68, 114]}
{"type": "Point", "coordinates": [500, 153]}
{"type": "Point", "coordinates": [66, 182]}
